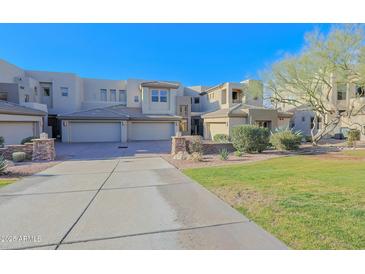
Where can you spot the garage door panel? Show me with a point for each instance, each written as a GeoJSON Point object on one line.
{"type": "Point", "coordinates": [15, 132]}
{"type": "Point", "coordinates": [150, 131]}
{"type": "Point", "coordinates": [95, 132]}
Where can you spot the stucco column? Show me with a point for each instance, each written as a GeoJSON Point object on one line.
{"type": "Point", "coordinates": [176, 127]}
{"type": "Point", "coordinates": [124, 131]}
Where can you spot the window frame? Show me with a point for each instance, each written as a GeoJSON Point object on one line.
{"type": "Point", "coordinates": [120, 91]}
{"type": "Point", "coordinates": [64, 91]}
{"type": "Point", "coordinates": [165, 92]}
{"type": "Point", "coordinates": [196, 100]}
{"type": "Point", "coordinates": [103, 91]}
{"type": "Point", "coordinates": [112, 91]}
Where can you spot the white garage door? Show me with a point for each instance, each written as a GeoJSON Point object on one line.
{"type": "Point", "coordinates": [95, 132]}
{"type": "Point", "coordinates": [15, 132]}
{"type": "Point", "coordinates": [150, 131]}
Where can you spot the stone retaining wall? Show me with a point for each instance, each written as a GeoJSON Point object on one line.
{"type": "Point", "coordinates": [181, 144]}
{"type": "Point", "coordinates": [38, 150]}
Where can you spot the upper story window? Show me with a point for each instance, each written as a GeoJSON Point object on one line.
{"type": "Point", "coordinates": [159, 96]}
{"type": "Point", "coordinates": [3, 96]}
{"type": "Point", "coordinates": [341, 91]}
{"type": "Point", "coordinates": [64, 91]}
{"type": "Point", "coordinates": [196, 100]}
{"type": "Point", "coordinates": [136, 99]}
{"type": "Point", "coordinates": [360, 91]}
{"type": "Point", "coordinates": [26, 98]}
{"type": "Point", "coordinates": [103, 96]}
{"type": "Point", "coordinates": [46, 91]}
{"type": "Point", "coordinates": [122, 95]}
{"type": "Point", "coordinates": [183, 110]}
{"type": "Point", "coordinates": [113, 95]}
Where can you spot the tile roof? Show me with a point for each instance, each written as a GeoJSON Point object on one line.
{"type": "Point", "coordinates": [16, 109]}
{"type": "Point", "coordinates": [117, 112]}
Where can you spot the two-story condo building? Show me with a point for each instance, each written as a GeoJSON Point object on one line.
{"type": "Point", "coordinates": [77, 109]}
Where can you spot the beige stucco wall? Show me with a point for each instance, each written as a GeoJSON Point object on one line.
{"type": "Point", "coordinates": [263, 115]}
{"type": "Point", "coordinates": [214, 126]}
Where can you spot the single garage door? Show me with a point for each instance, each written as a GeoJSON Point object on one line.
{"type": "Point", "coordinates": [95, 132]}
{"type": "Point", "coordinates": [217, 128]}
{"type": "Point", "coordinates": [15, 132]}
{"type": "Point", "coordinates": [150, 131]}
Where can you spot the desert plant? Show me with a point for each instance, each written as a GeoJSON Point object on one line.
{"type": "Point", "coordinates": [286, 139]}
{"type": "Point", "coordinates": [223, 154]}
{"type": "Point", "coordinates": [196, 156]}
{"type": "Point", "coordinates": [3, 164]}
{"type": "Point", "coordinates": [352, 137]}
{"type": "Point", "coordinates": [238, 153]}
{"type": "Point", "coordinates": [221, 138]}
{"type": "Point", "coordinates": [196, 145]}
{"type": "Point", "coordinates": [18, 156]}
{"type": "Point", "coordinates": [2, 141]}
{"type": "Point", "coordinates": [308, 139]}
{"type": "Point", "coordinates": [27, 139]}
{"type": "Point", "coordinates": [249, 138]}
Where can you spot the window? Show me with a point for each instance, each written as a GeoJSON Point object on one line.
{"type": "Point", "coordinates": [312, 122]}
{"type": "Point", "coordinates": [196, 100]}
{"type": "Point", "coordinates": [64, 91]}
{"type": "Point", "coordinates": [3, 96]}
{"type": "Point", "coordinates": [46, 91]}
{"type": "Point", "coordinates": [234, 95]}
{"type": "Point", "coordinates": [341, 91]}
{"type": "Point", "coordinates": [183, 110]}
{"type": "Point", "coordinates": [163, 96]}
{"type": "Point", "coordinates": [224, 97]}
{"type": "Point", "coordinates": [154, 95]}
{"type": "Point", "coordinates": [35, 91]}
{"type": "Point", "coordinates": [113, 95]}
{"type": "Point", "coordinates": [136, 99]}
{"type": "Point", "coordinates": [183, 125]}
{"type": "Point", "coordinates": [103, 96]}
{"type": "Point", "coordinates": [122, 95]}
{"type": "Point", "coordinates": [159, 96]}
{"type": "Point", "coordinates": [360, 91]}
{"type": "Point", "coordinates": [26, 98]}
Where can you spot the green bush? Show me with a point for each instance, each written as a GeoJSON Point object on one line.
{"type": "Point", "coordinates": [3, 164]}
{"type": "Point", "coordinates": [223, 154]}
{"type": "Point", "coordinates": [221, 138]}
{"type": "Point", "coordinates": [18, 156]}
{"type": "Point", "coordinates": [286, 139]}
{"type": "Point", "coordinates": [249, 138]}
{"type": "Point", "coordinates": [2, 141]}
{"type": "Point", "coordinates": [353, 136]}
{"type": "Point", "coordinates": [238, 153]}
{"type": "Point", "coordinates": [28, 139]}
{"type": "Point", "coordinates": [308, 138]}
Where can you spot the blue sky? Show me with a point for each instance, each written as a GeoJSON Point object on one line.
{"type": "Point", "coordinates": [205, 54]}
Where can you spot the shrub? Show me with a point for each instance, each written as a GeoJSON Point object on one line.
{"type": "Point", "coordinates": [2, 141]}
{"type": "Point", "coordinates": [238, 153]}
{"type": "Point", "coordinates": [353, 136]}
{"type": "Point", "coordinates": [27, 139]}
{"type": "Point", "coordinates": [223, 154]}
{"type": "Point", "coordinates": [18, 156]}
{"type": "Point", "coordinates": [286, 139]}
{"type": "Point", "coordinates": [249, 138]}
{"type": "Point", "coordinates": [196, 145]}
{"type": "Point", "coordinates": [221, 138]}
{"type": "Point", "coordinates": [3, 164]}
{"type": "Point", "coordinates": [196, 156]}
{"type": "Point", "coordinates": [308, 138]}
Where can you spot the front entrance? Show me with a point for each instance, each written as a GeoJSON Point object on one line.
{"type": "Point", "coordinates": [197, 126]}
{"type": "Point", "coordinates": [265, 124]}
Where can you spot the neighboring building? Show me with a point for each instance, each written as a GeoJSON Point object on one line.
{"type": "Point", "coordinates": [94, 110]}
{"type": "Point", "coordinates": [18, 122]}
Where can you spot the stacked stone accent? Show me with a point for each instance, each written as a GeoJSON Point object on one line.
{"type": "Point", "coordinates": [8, 150]}
{"type": "Point", "coordinates": [179, 144]}
{"type": "Point", "coordinates": [43, 150]}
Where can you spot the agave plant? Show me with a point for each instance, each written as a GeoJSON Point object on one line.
{"type": "Point", "coordinates": [3, 164]}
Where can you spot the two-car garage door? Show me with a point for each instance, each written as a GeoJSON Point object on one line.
{"type": "Point", "coordinates": [81, 131]}
{"type": "Point", "coordinates": [143, 131]}
{"type": "Point", "coordinates": [95, 132]}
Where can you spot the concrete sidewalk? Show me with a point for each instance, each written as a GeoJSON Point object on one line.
{"type": "Point", "coordinates": [124, 203]}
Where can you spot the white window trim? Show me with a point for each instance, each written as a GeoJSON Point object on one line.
{"type": "Point", "coordinates": [159, 95]}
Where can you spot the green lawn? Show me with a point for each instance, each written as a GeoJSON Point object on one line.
{"type": "Point", "coordinates": [308, 202]}
{"type": "Point", "coordinates": [4, 182]}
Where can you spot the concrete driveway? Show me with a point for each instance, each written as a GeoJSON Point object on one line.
{"type": "Point", "coordinates": [121, 203]}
